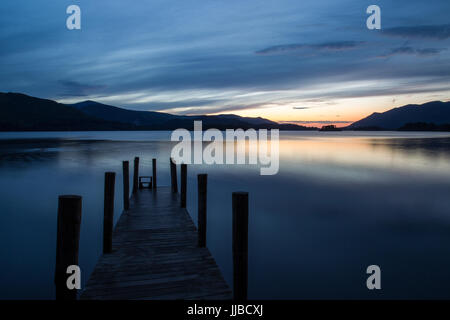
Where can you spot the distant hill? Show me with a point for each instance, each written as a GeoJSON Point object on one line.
{"type": "Point", "coordinates": [436, 112]}
{"type": "Point", "coordinates": [164, 121]}
{"type": "Point", "coordinates": [19, 112]}
{"type": "Point", "coordinates": [115, 114]}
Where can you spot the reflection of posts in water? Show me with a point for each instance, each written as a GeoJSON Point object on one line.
{"type": "Point", "coordinates": [67, 243]}
{"type": "Point", "coordinates": [240, 245]}
{"type": "Point", "coordinates": [108, 214]}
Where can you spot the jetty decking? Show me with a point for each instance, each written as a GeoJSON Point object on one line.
{"type": "Point", "coordinates": [155, 255]}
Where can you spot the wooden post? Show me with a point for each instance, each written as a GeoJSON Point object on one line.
{"type": "Point", "coordinates": [67, 243]}
{"type": "Point", "coordinates": [173, 175]}
{"type": "Point", "coordinates": [183, 184]}
{"type": "Point", "coordinates": [240, 245]}
{"type": "Point", "coordinates": [126, 185]}
{"type": "Point", "coordinates": [108, 211]}
{"type": "Point", "coordinates": [136, 175]}
{"type": "Point", "coordinates": [202, 180]}
{"type": "Point", "coordinates": [154, 172]}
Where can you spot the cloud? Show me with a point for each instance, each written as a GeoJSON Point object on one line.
{"type": "Point", "coordinates": [326, 46]}
{"type": "Point", "coordinates": [201, 57]}
{"type": "Point", "coordinates": [77, 89]}
{"type": "Point", "coordinates": [201, 110]}
{"type": "Point", "coordinates": [440, 32]}
{"type": "Point", "coordinates": [300, 108]}
{"type": "Point", "coordinates": [426, 52]}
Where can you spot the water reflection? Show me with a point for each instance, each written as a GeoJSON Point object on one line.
{"type": "Point", "coordinates": [339, 203]}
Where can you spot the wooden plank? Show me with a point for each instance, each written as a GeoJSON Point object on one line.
{"type": "Point", "coordinates": [155, 255]}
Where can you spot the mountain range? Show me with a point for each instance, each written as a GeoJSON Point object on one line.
{"type": "Point", "coordinates": [20, 112]}
{"type": "Point", "coordinates": [409, 116]}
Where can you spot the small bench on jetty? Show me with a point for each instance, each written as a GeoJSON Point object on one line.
{"type": "Point", "coordinates": [155, 251]}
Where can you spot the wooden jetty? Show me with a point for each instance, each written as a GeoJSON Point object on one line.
{"type": "Point", "coordinates": [155, 255]}
{"type": "Point", "coordinates": [155, 251]}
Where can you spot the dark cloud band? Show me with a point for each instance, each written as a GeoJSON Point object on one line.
{"type": "Point", "coordinates": [440, 32]}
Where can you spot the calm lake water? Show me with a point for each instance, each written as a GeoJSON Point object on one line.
{"type": "Point", "coordinates": [341, 201]}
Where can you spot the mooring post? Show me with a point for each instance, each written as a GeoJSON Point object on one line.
{"type": "Point", "coordinates": [183, 184]}
{"type": "Point", "coordinates": [126, 185]}
{"type": "Point", "coordinates": [108, 211]}
{"type": "Point", "coordinates": [202, 180]}
{"type": "Point", "coordinates": [67, 243]}
{"type": "Point", "coordinates": [240, 245]}
{"type": "Point", "coordinates": [173, 175]}
{"type": "Point", "coordinates": [154, 172]}
{"type": "Point", "coordinates": [136, 175]}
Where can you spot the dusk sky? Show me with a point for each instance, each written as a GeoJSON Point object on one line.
{"type": "Point", "coordinates": [309, 62]}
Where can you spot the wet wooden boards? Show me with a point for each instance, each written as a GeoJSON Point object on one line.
{"type": "Point", "coordinates": [155, 255]}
